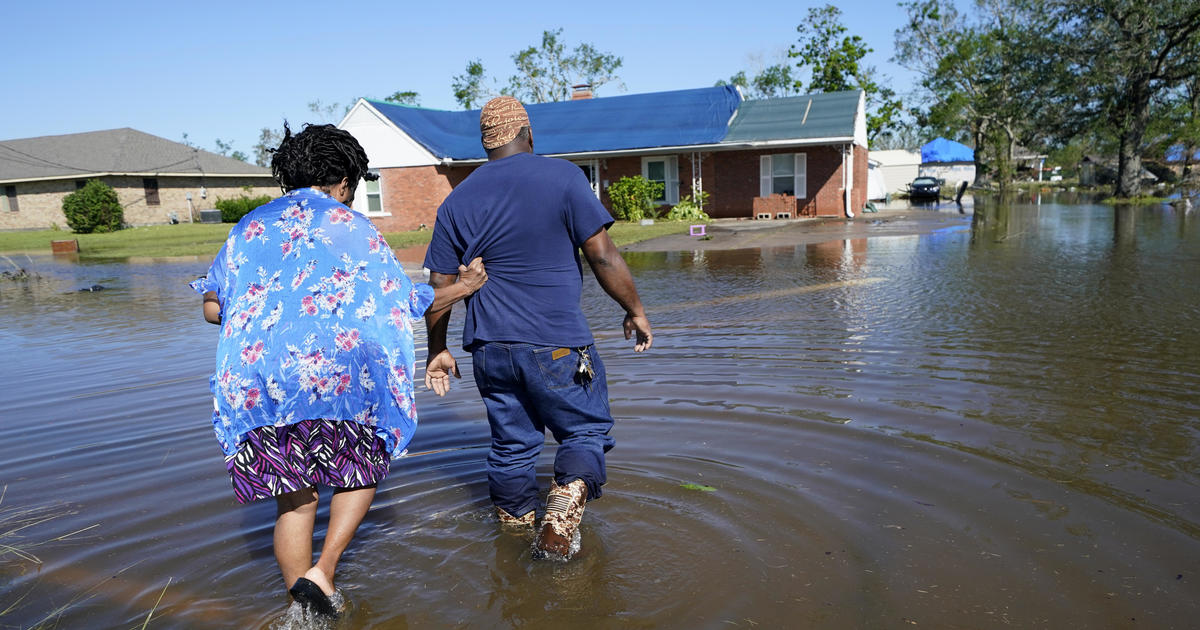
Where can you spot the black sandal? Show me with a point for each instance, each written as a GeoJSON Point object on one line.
{"type": "Point", "coordinates": [311, 596]}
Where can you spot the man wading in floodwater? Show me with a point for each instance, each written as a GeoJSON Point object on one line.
{"type": "Point", "coordinates": [534, 360]}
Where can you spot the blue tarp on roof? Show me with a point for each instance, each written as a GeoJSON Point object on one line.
{"type": "Point", "coordinates": [635, 121]}
{"type": "Point", "coordinates": [943, 150]}
{"type": "Point", "coordinates": [1175, 154]}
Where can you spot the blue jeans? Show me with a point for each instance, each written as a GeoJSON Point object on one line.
{"type": "Point", "coordinates": [528, 389]}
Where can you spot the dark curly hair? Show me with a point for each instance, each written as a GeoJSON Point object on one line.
{"type": "Point", "coordinates": [320, 155]}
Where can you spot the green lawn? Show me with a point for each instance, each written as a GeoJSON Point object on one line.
{"type": "Point", "coordinates": [625, 233]}
{"type": "Point", "coordinates": [204, 239]}
{"type": "Point", "coordinates": [185, 239]}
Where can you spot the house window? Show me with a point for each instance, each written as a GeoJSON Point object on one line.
{"type": "Point", "coordinates": [783, 174]}
{"type": "Point", "coordinates": [664, 170]}
{"type": "Point", "coordinates": [374, 193]}
{"type": "Point", "coordinates": [80, 183]}
{"type": "Point", "coordinates": [591, 170]}
{"type": "Point", "coordinates": [9, 200]}
{"type": "Point", "coordinates": [151, 186]}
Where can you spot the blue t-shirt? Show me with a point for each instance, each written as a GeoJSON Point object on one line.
{"type": "Point", "coordinates": [527, 216]}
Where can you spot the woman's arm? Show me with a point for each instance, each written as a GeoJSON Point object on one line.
{"type": "Point", "coordinates": [470, 278]}
{"type": "Point", "coordinates": [212, 308]}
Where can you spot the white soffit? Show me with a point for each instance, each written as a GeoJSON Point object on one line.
{"type": "Point", "coordinates": [387, 145]}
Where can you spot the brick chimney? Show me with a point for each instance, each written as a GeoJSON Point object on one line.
{"type": "Point", "coordinates": [581, 91]}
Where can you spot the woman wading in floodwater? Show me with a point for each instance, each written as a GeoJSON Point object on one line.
{"type": "Point", "coordinates": [313, 385]}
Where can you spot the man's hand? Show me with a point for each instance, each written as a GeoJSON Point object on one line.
{"type": "Point", "coordinates": [640, 325]}
{"type": "Point", "coordinates": [614, 277]}
{"type": "Point", "coordinates": [438, 370]}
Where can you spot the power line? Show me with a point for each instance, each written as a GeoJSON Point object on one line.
{"type": "Point", "coordinates": [44, 161]}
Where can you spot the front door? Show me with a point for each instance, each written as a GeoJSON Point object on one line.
{"type": "Point", "coordinates": [591, 169]}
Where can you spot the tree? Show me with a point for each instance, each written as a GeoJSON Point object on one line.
{"type": "Point", "coordinates": [984, 77]}
{"type": "Point", "coordinates": [904, 135]}
{"type": "Point", "coordinates": [404, 98]}
{"type": "Point", "coordinates": [328, 113]}
{"type": "Point", "coordinates": [226, 148]}
{"type": "Point", "coordinates": [1173, 132]}
{"type": "Point", "coordinates": [739, 79]}
{"type": "Point", "coordinates": [1121, 55]}
{"type": "Point", "coordinates": [268, 141]}
{"type": "Point", "coordinates": [834, 61]}
{"type": "Point", "coordinates": [1185, 114]}
{"type": "Point", "coordinates": [93, 208]}
{"type": "Point", "coordinates": [593, 67]}
{"type": "Point", "coordinates": [468, 87]}
{"type": "Point", "coordinates": [544, 73]}
{"type": "Point", "coordinates": [771, 82]}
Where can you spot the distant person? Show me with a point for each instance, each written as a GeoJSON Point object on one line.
{"type": "Point", "coordinates": [315, 358]}
{"type": "Point", "coordinates": [534, 360]}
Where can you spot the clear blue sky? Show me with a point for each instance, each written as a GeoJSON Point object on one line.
{"type": "Point", "coordinates": [226, 69]}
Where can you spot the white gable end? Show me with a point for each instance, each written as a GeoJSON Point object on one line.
{"type": "Point", "coordinates": [387, 146]}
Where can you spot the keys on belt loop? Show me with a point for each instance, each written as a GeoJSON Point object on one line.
{"type": "Point", "coordinates": [585, 369]}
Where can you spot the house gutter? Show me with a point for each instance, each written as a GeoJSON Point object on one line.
{"type": "Point", "coordinates": [848, 176]}
{"type": "Point", "coordinates": [145, 174]}
{"type": "Point", "coordinates": [686, 148]}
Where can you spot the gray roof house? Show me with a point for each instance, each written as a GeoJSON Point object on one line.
{"type": "Point", "coordinates": [157, 180]}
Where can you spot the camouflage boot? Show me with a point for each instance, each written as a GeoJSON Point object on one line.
{"type": "Point", "coordinates": [509, 522]}
{"type": "Point", "coordinates": [560, 525]}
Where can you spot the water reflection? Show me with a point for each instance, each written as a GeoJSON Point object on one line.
{"type": "Point", "coordinates": [986, 423]}
{"type": "Point", "coordinates": [844, 256]}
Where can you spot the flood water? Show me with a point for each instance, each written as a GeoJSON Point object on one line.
{"type": "Point", "coordinates": [993, 425]}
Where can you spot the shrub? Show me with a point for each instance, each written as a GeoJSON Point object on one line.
{"type": "Point", "coordinates": [689, 208]}
{"type": "Point", "coordinates": [232, 210]}
{"type": "Point", "coordinates": [93, 208]}
{"type": "Point", "coordinates": [633, 197]}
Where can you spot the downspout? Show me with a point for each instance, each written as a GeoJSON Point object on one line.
{"type": "Point", "coordinates": [847, 178]}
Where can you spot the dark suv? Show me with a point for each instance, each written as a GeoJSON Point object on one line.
{"type": "Point", "coordinates": [924, 188]}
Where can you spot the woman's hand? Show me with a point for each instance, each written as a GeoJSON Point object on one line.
{"type": "Point", "coordinates": [447, 290]}
{"type": "Point", "coordinates": [472, 276]}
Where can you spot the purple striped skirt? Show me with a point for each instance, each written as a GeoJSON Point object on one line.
{"type": "Point", "coordinates": [272, 461]}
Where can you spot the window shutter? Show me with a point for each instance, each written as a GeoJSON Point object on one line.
{"type": "Point", "coordinates": [764, 176]}
{"type": "Point", "coordinates": [801, 177]}
{"type": "Point", "coordinates": [151, 186]}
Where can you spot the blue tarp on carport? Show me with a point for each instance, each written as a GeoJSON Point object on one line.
{"type": "Point", "coordinates": [1175, 154]}
{"type": "Point", "coordinates": [943, 150]}
{"type": "Point", "coordinates": [635, 121]}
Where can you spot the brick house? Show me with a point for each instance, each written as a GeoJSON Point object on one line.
{"type": "Point", "coordinates": [772, 158]}
{"type": "Point", "coordinates": [156, 180]}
